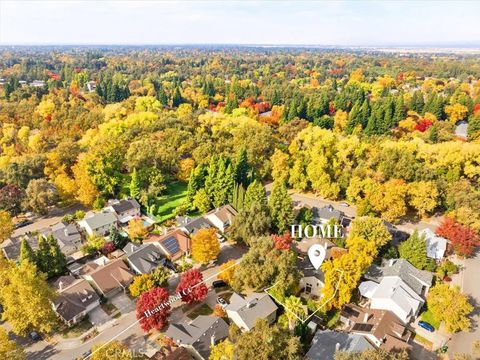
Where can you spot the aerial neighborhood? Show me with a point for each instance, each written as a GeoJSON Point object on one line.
{"type": "Point", "coordinates": [150, 201]}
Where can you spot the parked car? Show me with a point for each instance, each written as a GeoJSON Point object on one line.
{"type": "Point", "coordinates": [22, 223]}
{"type": "Point", "coordinates": [35, 336]}
{"type": "Point", "coordinates": [344, 204]}
{"type": "Point", "coordinates": [219, 284]}
{"type": "Point", "coordinates": [222, 302]}
{"type": "Point", "coordinates": [426, 326]}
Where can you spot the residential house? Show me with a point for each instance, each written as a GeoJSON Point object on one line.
{"type": "Point", "coordinates": [324, 214]}
{"type": "Point", "coordinates": [392, 293]}
{"type": "Point", "coordinates": [244, 311]}
{"type": "Point", "coordinates": [436, 245]}
{"type": "Point", "coordinates": [173, 244]}
{"type": "Point", "coordinates": [11, 247]}
{"type": "Point", "coordinates": [199, 335]}
{"type": "Point", "coordinates": [130, 248]}
{"type": "Point", "coordinates": [110, 278]}
{"type": "Point", "coordinates": [76, 298]}
{"type": "Point", "coordinates": [191, 226]}
{"type": "Point", "coordinates": [99, 223]}
{"type": "Point", "coordinates": [125, 209]}
{"type": "Point", "coordinates": [146, 259]}
{"type": "Point", "coordinates": [172, 353]}
{"type": "Point", "coordinates": [326, 343]}
{"type": "Point", "coordinates": [222, 217]}
{"type": "Point", "coordinates": [381, 327]}
{"type": "Point", "coordinates": [418, 280]}
{"type": "Point", "coordinates": [68, 237]}
{"type": "Point", "coordinates": [312, 280]}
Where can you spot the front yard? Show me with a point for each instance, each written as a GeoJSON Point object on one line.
{"type": "Point", "coordinates": [76, 330]}
{"type": "Point", "coordinates": [165, 206]}
{"type": "Point", "coordinates": [204, 309]}
{"type": "Point", "coordinates": [427, 316]}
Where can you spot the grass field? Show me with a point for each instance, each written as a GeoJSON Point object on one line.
{"type": "Point", "coordinates": [174, 196]}
{"type": "Point", "coordinates": [427, 316]}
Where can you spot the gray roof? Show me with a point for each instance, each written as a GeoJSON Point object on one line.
{"type": "Point", "coordinates": [130, 248]}
{"type": "Point", "coordinates": [252, 307]}
{"type": "Point", "coordinates": [412, 276]}
{"type": "Point", "coordinates": [125, 205]}
{"type": "Point", "coordinates": [74, 298]}
{"type": "Point", "coordinates": [199, 333]}
{"type": "Point", "coordinates": [307, 269]}
{"type": "Point", "coordinates": [146, 259]}
{"type": "Point", "coordinates": [324, 344]}
{"type": "Point", "coordinates": [12, 250]}
{"type": "Point", "coordinates": [327, 212]}
{"type": "Point", "coordinates": [194, 225]}
{"type": "Point", "coordinates": [65, 234]}
{"type": "Point", "coordinates": [99, 220]}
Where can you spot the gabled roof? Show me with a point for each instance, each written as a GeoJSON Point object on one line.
{"type": "Point", "coordinates": [173, 243]}
{"type": "Point", "coordinates": [12, 249]}
{"type": "Point", "coordinates": [66, 234]}
{"type": "Point", "coordinates": [306, 268]}
{"type": "Point", "coordinates": [327, 212]}
{"type": "Point", "coordinates": [252, 307]}
{"type": "Point", "coordinates": [121, 206]}
{"type": "Point", "coordinates": [199, 333]}
{"type": "Point", "coordinates": [193, 225]}
{"type": "Point", "coordinates": [225, 213]}
{"type": "Point", "coordinates": [414, 277]}
{"type": "Point", "coordinates": [382, 324]}
{"type": "Point", "coordinates": [73, 299]}
{"type": "Point", "coordinates": [111, 276]}
{"type": "Point", "coordinates": [325, 343]}
{"type": "Point", "coordinates": [436, 245]}
{"type": "Point", "coordinates": [98, 220]}
{"type": "Point", "coordinates": [147, 258]}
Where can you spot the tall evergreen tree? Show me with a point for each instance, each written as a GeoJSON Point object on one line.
{"type": "Point", "coordinates": [281, 208]}
{"type": "Point", "coordinates": [26, 253]}
{"type": "Point", "coordinates": [135, 186]}
{"type": "Point", "coordinates": [255, 194]}
{"type": "Point", "coordinates": [238, 196]}
{"type": "Point", "coordinates": [176, 97]}
{"type": "Point", "coordinates": [195, 183]}
{"type": "Point", "coordinates": [400, 112]}
{"type": "Point", "coordinates": [58, 262]}
{"type": "Point", "coordinates": [242, 167]}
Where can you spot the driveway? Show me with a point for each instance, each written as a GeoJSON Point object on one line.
{"type": "Point", "coordinates": [98, 316]}
{"type": "Point", "coordinates": [437, 338]}
{"type": "Point", "coordinates": [123, 303]}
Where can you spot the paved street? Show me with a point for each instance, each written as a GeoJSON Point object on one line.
{"type": "Point", "coordinates": [468, 280]}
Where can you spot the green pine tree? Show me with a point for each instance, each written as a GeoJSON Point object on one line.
{"type": "Point", "coordinates": [241, 167]}
{"type": "Point", "coordinates": [58, 262]}
{"type": "Point", "coordinates": [281, 208]}
{"type": "Point", "coordinates": [195, 183]}
{"type": "Point", "coordinates": [26, 253]}
{"type": "Point", "coordinates": [135, 186]}
{"type": "Point", "coordinates": [255, 194]}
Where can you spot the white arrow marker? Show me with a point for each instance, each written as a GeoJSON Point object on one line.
{"type": "Point", "coordinates": [316, 254]}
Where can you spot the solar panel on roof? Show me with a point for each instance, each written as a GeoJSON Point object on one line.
{"type": "Point", "coordinates": [171, 244]}
{"type": "Point", "coordinates": [362, 327]}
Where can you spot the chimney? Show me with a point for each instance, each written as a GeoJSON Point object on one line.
{"type": "Point", "coordinates": [337, 347]}
{"type": "Point", "coordinates": [212, 340]}
{"type": "Point", "coordinates": [365, 317]}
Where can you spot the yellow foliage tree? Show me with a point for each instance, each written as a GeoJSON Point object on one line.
{"type": "Point", "coordinates": [228, 270]}
{"type": "Point", "coordinates": [136, 229]}
{"type": "Point", "coordinates": [6, 226]}
{"type": "Point", "coordinates": [87, 192]}
{"type": "Point", "coordinates": [423, 196]}
{"type": "Point", "coordinates": [279, 165]}
{"type": "Point", "coordinates": [9, 349]}
{"type": "Point", "coordinates": [141, 283]}
{"type": "Point", "coordinates": [113, 350]}
{"type": "Point", "coordinates": [205, 245]}
{"type": "Point", "coordinates": [456, 112]}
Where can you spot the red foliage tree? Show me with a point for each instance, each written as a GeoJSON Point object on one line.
{"type": "Point", "coordinates": [423, 125]}
{"type": "Point", "coordinates": [282, 242]}
{"type": "Point", "coordinates": [476, 108]}
{"type": "Point", "coordinates": [463, 238]}
{"type": "Point", "coordinates": [108, 248]}
{"type": "Point", "coordinates": [191, 287]}
{"type": "Point", "coordinates": [153, 309]}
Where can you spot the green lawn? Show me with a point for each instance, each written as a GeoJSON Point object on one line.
{"type": "Point", "coordinates": [427, 316]}
{"type": "Point", "coordinates": [202, 310]}
{"type": "Point", "coordinates": [332, 319]}
{"type": "Point", "coordinates": [175, 194]}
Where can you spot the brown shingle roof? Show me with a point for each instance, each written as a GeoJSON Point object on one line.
{"type": "Point", "coordinates": [111, 276]}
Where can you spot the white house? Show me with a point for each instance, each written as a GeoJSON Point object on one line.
{"type": "Point", "coordinates": [99, 223]}
{"type": "Point", "coordinates": [222, 217]}
{"type": "Point", "coordinates": [125, 209]}
{"type": "Point", "coordinates": [393, 294]}
{"type": "Point", "coordinates": [436, 245]}
{"type": "Point", "coordinates": [244, 311]}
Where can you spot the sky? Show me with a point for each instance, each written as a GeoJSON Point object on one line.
{"type": "Point", "coordinates": [341, 23]}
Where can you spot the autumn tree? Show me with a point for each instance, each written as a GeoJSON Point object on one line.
{"type": "Point", "coordinates": [6, 226]}
{"type": "Point", "coordinates": [153, 309]}
{"type": "Point", "coordinates": [9, 349]}
{"type": "Point", "coordinates": [191, 287]}
{"type": "Point", "coordinates": [22, 310]}
{"type": "Point", "coordinates": [40, 194]}
{"type": "Point", "coordinates": [449, 305]}
{"type": "Point", "coordinates": [255, 194]}
{"type": "Point", "coordinates": [463, 239]}
{"type": "Point", "coordinates": [145, 282]}
{"type": "Point", "coordinates": [137, 230]}
{"type": "Point", "coordinates": [11, 198]}
{"type": "Point", "coordinates": [224, 350]}
{"type": "Point", "coordinates": [282, 242]}
{"type": "Point", "coordinates": [227, 271]}
{"type": "Point", "coordinates": [219, 311]}
{"type": "Point", "coordinates": [205, 245]}
{"type": "Point", "coordinates": [423, 196]}
{"type": "Point", "coordinates": [371, 229]}
{"type": "Point", "coordinates": [371, 354]}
